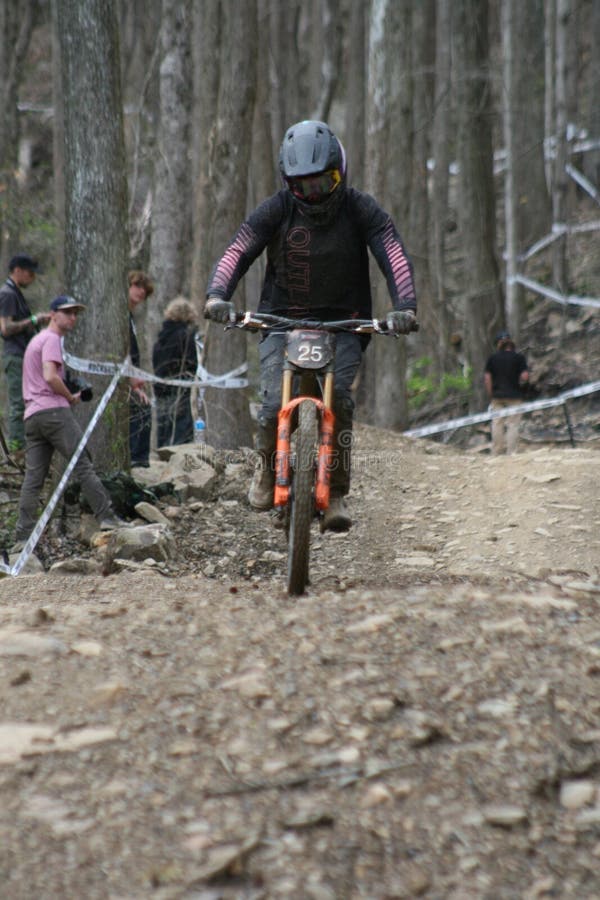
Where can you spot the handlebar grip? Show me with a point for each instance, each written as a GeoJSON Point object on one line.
{"type": "Point", "coordinates": [414, 326]}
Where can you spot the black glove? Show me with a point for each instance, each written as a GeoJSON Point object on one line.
{"type": "Point", "coordinates": [219, 310]}
{"type": "Point", "coordinates": [400, 322]}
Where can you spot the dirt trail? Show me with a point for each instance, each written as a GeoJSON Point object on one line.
{"type": "Point", "coordinates": [424, 722]}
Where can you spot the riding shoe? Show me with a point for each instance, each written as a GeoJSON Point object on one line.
{"type": "Point", "coordinates": [335, 517]}
{"type": "Point", "coordinates": [260, 495]}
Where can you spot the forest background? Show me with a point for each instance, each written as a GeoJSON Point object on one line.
{"type": "Point", "coordinates": [139, 134]}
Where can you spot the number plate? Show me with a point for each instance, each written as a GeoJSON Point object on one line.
{"type": "Point", "coordinates": [310, 349]}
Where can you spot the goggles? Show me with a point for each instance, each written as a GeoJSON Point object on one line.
{"type": "Point", "coordinates": [315, 188]}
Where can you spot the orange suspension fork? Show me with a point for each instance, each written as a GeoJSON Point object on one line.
{"type": "Point", "coordinates": [282, 455]}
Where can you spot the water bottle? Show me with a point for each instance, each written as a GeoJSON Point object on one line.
{"type": "Point", "coordinates": [199, 431]}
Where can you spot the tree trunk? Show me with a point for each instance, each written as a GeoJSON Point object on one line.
{"type": "Point", "coordinates": [526, 199]}
{"type": "Point", "coordinates": [330, 28]}
{"type": "Point", "coordinates": [592, 159]}
{"type": "Point", "coordinates": [264, 169]}
{"type": "Point", "coordinates": [483, 303]}
{"type": "Point", "coordinates": [221, 204]}
{"type": "Point", "coordinates": [96, 198]}
{"type": "Point", "coordinates": [16, 25]}
{"type": "Point", "coordinates": [560, 179]}
{"type": "Point", "coordinates": [382, 394]}
{"type": "Point", "coordinates": [355, 66]}
{"type": "Point", "coordinates": [438, 324]}
{"type": "Point", "coordinates": [58, 149]}
{"type": "Point", "coordinates": [140, 33]}
{"type": "Point", "coordinates": [549, 88]}
{"type": "Point", "coordinates": [171, 209]}
{"type": "Point", "coordinates": [423, 27]}
{"type": "Point", "coordinates": [288, 98]}
{"type": "Point", "coordinates": [207, 26]}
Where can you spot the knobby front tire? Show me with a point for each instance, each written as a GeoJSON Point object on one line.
{"type": "Point", "coordinates": [302, 502]}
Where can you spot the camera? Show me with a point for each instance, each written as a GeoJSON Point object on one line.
{"type": "Point", "coordinates": [78, 385]}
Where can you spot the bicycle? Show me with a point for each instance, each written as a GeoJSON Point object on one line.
{"type": "Point", "coordinates": [302, 477]}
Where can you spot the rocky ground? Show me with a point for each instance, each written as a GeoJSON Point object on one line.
{"type": "Point", "coordinates": [424, 722]}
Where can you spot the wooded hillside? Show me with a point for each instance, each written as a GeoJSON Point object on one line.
{"type": "Point", "coordinates": [475, 124]}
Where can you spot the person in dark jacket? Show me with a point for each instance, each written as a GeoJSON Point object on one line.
{"type": "Point", "coordinates": [317, 232]}
{"type": "Point", "coordinates": [505, 375]}
{"type": "Point", "coordinates": [140, 403]}
{"type": "Point", "coordinates": [174, 356]}
{"type": "Point", "coordinates": [17, 326]}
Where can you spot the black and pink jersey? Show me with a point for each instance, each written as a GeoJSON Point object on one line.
{"type": "Point", "coordinates": [317, 268]}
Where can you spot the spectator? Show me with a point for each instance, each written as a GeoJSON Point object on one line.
{"type": "Point", "coordinates": [316, 231]}
{"type": "Point", "coordinates": [505, 374]}
{"type": "Point", "coordinates": [17, 326]}
{"type": "Point", "coordinates": [174, 356]}
{"type": "Point", "coordinates": [50, 424]}
{"type": "Point", "coordinates": [140, 409]}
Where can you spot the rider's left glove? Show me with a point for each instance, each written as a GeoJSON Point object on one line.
{"type": "Point", "coordinates": [219, 310]}
{"type": "Point", "coordinates": [400, 322]}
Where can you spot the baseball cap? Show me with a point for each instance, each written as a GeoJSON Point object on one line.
{"type": "Point", "coordinates": [23, 261]}
{"type": "Point", "coordinates": [502, 336]}
{"type": "Point", "coordinates": [65, 302]}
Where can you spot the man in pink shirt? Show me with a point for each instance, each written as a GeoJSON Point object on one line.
{"type": "Point", "coordinates": [50, 424]}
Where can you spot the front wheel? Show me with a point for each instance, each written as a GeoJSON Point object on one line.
{"type": "Point", "coordinates": [302, 502]}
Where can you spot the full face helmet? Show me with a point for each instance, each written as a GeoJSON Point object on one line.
{"type": "Point", "coordinates": [312, 163]}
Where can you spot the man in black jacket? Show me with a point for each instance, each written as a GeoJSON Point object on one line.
{"type": "Point", "coordinates": [505, 374]}
{"type": "Point", "coordinates": [17, 326]}
{"type": "Point", "coordinates": [317, 232]}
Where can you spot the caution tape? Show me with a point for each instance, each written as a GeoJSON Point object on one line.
{"type": "Point", "coordinates": [565, 299]}
{"type": "Point", "coordinates": [35, 535]}
{"type": "Point", "coordinates": [476, 418]}
{"type": "Point", "coordinates": [202, 378]}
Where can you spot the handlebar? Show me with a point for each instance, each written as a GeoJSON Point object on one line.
{"type": "Point", "coordinates": [255, 321]}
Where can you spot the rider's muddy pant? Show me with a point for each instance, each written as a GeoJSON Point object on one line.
{"type": "Point", "coordinates": [347, 361]}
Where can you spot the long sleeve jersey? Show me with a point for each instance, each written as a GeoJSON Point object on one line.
{"type": "Point", "coordinates": [314, 268]}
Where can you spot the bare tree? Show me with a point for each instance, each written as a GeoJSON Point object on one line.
{"type": "Point", "coordinates": [526, 199]}
{"type": "Point", "coordinates": [331, 33]}
{"type": "Point", "coordinates": [16, 25]}
{"type": "Point", "coordinates": [355, 66]}
{"type": "Point", "coordinates": [437, 324]}
{"type": "Point", "coordinates": [288, 99]}
{"type": "Point", "coordinates": [140, 30]}
{"type": "Point", "coordinates": [171, 208]}
{"type": "Point", "coordinates": [382, 396]}
{"type": "Point", "coordinates": [207, 24]}
{"type": "Point", "coordinates": [483, 303]}
{"type": "Point", "coordinates": [592, 160]}
{"type": "Point", "coordinates": [417, 235]}
{"type": "Point", "coordinates": [58, 148]}
{"type": "Point", "coordinates": [560, 177]}
{"type": "Point", "coordinates": [96, 191]}
{"type": "Point", "coordinates": [221, 192]}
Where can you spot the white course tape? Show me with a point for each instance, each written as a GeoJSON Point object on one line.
{"type": "Point", "coordinates": [583, 182]}
{"type": "Point", "coordinates": [558, 229]}
{"type": "Point", "coordinates": [476, 418]}
{"type": "Point", "coordinates": [202, 378]}
{"type": "Point", "coordinates": [35, 535]}
{"type": "Point", "coordinates": [565, 299]}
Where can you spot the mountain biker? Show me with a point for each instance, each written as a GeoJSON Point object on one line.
{"type": "Point", "coordinates": [316, 231]}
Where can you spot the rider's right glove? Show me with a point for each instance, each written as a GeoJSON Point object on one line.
{"type": "Point", "coordinates": [219, 310]}
{"type": "Point", "coordinates": [400, 322]}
